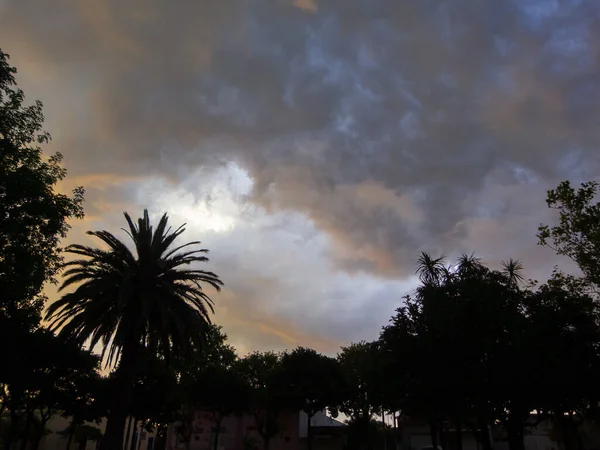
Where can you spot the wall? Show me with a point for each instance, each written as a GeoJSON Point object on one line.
{"type": "Point", "coordinates": [234, 430]}
{"type": "Point", "coordinates": [55, 441]}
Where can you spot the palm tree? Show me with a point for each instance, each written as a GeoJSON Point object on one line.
{"type": "Point", "coordinates": [129, 302]}
{"type": "Point", "coordinates": [431, 271]}
{"type": "Point", "coordinates": [468, 265]}
{"type": "Point", "coordinates": [513, 270]}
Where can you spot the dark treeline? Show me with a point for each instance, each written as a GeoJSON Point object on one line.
{"type": "Point", "coordinates": [473, 347]}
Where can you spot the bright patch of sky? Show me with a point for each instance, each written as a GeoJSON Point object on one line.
{"type": "Point", "coordinates": [208, 201]}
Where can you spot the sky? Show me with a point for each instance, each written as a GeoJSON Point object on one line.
{"type": "Point", "coordinates": [315, 147]}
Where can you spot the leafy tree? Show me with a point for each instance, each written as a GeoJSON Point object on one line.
{"type": "Point", "coordinates": [134, 302]}
{"type": "Point", "coordinates": [564, 334]}
{"type": "Point", "coordinates": [225, 392]}
{"type": "Point", "coordinates": [155, 401]}
{"type": "Point", "coordinates": [312, 382]}
{"type": "Point", "coordinates": [52, 377]}
{"type": "Point", "coordinates": [455, 343]}
{"type": "Point", "coordinates": [577, 234]}
{"type": "Point", "coordinates": [362, 400]}
{"type": "Point", "coordinates": [33, 215]}
{"type": "Point", "coordinates": [198, 372]}
{"type": "Point", "coordinates": [85, 403]}
{"type": "Point", "coordinates": [262, 372]}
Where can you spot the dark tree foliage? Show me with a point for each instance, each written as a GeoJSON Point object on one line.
{"type": "Point", "coordinates": [268, 396]}
{"type": "Point", "coordinates": [51, 377]}
{"type": "Point", "coordinates": [209, 379]}
{"type": "Point", "coordinates": [577, 234]}
{"type": "Point", "coordinates": [454, 345]}
{"type": "Point", "coordinates": [33, 215]}
{"type": "Point", "coordinates": [362, 397]}
{"type": "Point", "coordinates": [134, 302]}
{"type": "Point", "coordinates": [564, 339]}
{"type": "Point", "coordinates": [313, 382]}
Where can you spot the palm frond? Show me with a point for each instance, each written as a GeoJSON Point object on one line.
{"type": "Point", "coordinates": [430, 270]}
{"type": "Point", "coordinates": [153, 296]}
{"type": "Point", "coordinates": [514, 271]}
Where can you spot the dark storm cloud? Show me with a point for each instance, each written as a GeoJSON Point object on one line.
{"type": "Point", "coordinates": [393, 125]}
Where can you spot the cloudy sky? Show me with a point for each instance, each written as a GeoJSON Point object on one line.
{"type": "Point", "coordinates": [317, 146]}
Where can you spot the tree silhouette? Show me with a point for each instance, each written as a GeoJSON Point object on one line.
{"type": "Point", "coordinates": [577, 234]}
{"type": "Point", "coordinates": [128, 302]}
{"type": "Point", "coordinates": [268, 395]}
{"type": "Point", "coordinates": [313, 382]}
{"type": "Point", "coordinates": [34, 216]}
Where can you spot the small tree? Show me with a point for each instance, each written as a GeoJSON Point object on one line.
{"type": "Point", "coordinates": [577, 234]}
{"type": "Point", "coordinates": [313, 382]}
{"type": "Point", "coordinates": [268, 398]}
{"type": "Point", "coordinates": [203, 366]}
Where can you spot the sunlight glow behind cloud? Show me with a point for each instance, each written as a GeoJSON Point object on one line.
{"type": "Point", "coordinates": [205, 201]}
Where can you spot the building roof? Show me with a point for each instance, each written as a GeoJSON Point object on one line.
{"type": "Point", "coordinates": [320, 420]}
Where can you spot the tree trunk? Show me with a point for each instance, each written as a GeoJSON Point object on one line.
{"type": "Point", "coordinates": [459, 439]}
{"type": "Point", "coordinates": [139, 446]}
{"type": "Point", "coordinates": [12, 430]}
{"type": "Point", "coordinates": [218, 423]}
{"type": "Point", "coordinates": [515, 432]}
{"type": "Point", "coordinates": [443, 442]}
{"type": "Point", "coordinates": [568, 430]}
{"type": "Point", "coordinates": [484, 434]}
{"type": "Point", "coordinates": [308, 431]}
{"type": "Point", "coordinates": [40, 433]}
{"type": "Point", "coordinates": [38, 439]}
{"type": "Point", "coordinates": [25, 436]}
{"type": "Point", "coordinates": [71, 434]}
{"type": "Point", "coordinates": [135, 434]}
{"type": "Point", "coordinates": [120, 398]}
{"type": "Point", "coordinates": [434, 433]}
{"type": "Point", "coordinates": [128, 433]}
{"type": "Point", "coordinates": [384, 429]}
{"type": "Point", "coordinates": [44, 418]}
{"type": "Point", "coordinates": [397, 430]}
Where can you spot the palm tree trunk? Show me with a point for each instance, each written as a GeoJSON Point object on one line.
{"type": "Point", "coordinates": [142, 424]}
{"type": "Point", "coordinates": [128, 432]}
{"type": "Point", "coordinates": [121, 398]}
{"type": "Point", "coordinates": [135, 434]}
{"type": "Point", "coordinates": [308, 431]}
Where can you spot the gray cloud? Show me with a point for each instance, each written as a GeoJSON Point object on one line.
{"type": "Point", "coordinates": [391, 126]}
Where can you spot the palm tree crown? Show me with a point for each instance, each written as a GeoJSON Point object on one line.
{"type": "Point", "coordinates": [148, 298]}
